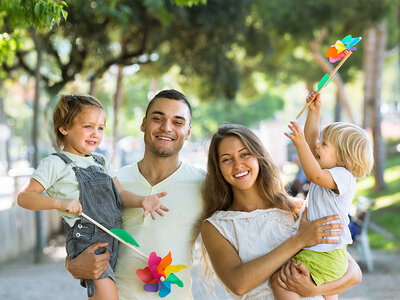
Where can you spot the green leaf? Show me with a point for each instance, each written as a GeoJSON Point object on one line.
{"type": "Point", "coordinates": [124, 236]}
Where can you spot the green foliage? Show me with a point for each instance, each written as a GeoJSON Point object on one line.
{"type": "Point", "coordinates": [208, 116]}
{"type": "Point", "coordinates": [188, 2]}
{"type": "Point", "coordinates": [16, 16]}
{"type": "Point", "coordinates": [37, 13]}
{"type": "Point", "coordinates": [387, 205]}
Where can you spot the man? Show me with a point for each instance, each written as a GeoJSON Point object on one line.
{"type": "Point", "coordinates": [166, 126]}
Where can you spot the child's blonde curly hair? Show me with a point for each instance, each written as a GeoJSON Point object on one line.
{"type": "Point", "coordinates": [353, 147]}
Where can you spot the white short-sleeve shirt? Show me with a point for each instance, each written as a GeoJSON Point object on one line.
{"type": "Point", "coordinates": [324, 202]}
{"type": "Point", "coordinates": [175, 232]}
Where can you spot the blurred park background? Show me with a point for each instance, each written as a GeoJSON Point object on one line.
{"type": "Point", "coordinates": [251, 62]}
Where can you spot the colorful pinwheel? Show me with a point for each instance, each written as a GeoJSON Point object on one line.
{"type": "Point", "coordinates": [158, 275]}
{"type": "Point", "coordinates": [340, 51]}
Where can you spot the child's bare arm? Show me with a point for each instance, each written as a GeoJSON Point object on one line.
{"type": "Point", "coordinates": [31, 197]}
{"type": "Point", "coordinates": [310, 166]}
{"type": "Point", "coordinates": [150, 204]}
{"type": "Point", "coordinates": [311, 128]}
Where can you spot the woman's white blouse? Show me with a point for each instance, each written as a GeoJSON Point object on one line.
{"type": "Point", "coordinates": [254, 234]}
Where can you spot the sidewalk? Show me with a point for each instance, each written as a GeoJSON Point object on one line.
{"type": "Point", "coordinates": [21, 279]}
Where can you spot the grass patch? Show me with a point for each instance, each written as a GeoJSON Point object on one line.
{"type": "Point", "coordinates": [386, 212]}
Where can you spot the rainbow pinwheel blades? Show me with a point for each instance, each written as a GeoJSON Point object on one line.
{"type": "Point", "coordinates": [338, 51]}
{"type": "Point", "coordinates": [158, 275]}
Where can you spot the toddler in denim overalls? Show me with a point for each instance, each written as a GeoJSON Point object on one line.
{"type": "Point", "coordinates": [76, 180]}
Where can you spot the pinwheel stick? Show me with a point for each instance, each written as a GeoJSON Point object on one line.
{"type": "Point", "coordinates": [327, 81]}
{"type": "Point", "coordinates": [113, 235]}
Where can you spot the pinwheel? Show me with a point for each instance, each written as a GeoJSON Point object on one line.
{"type": "Point", "coordinates": [159, 274]}
{"type": "Point", "coordinates": [340, 51]}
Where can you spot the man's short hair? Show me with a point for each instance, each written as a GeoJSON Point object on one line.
{"type": "Point", "coordinates": [173, 95]}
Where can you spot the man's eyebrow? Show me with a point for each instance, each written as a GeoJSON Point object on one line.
{"type": "Point", "coordinates": [157, 112]}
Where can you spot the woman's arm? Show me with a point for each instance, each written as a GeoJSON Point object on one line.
{"type": "Point", "coordinates": [241, 277]}
{"type": "Point", "coordinates": [31, 197]}
{"type": "Point", "coordinates": [297, 278]}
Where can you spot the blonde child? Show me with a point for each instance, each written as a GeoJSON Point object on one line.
{"type": "Point", "coordinates": [77, 180]}
{"type": "Point", "coordinates": [332, 164]}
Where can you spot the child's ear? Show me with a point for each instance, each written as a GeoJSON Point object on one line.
{"type": "Point", "coordinates": [63, 130]}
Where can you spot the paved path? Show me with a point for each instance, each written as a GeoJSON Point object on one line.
{"type": "Point", "coordinates": [21, 279]}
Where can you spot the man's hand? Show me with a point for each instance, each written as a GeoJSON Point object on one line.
{"type": "Point", "coordinates": [88, 265]}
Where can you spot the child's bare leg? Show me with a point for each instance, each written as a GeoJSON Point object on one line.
{"type": "Point", "coordinates": [279, 292]}
{"type": "Point", "coordinates": [105, 289]}
{"type": "Point", "coordinates": [331, 297]}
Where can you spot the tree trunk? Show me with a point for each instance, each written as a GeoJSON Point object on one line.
{"type": "Point", "coordinates": [338, 109]}
{"type": "Point", "coordinates": [39, 216]}
{"type": "Point", "coordinates": [92, 89]}
{"type": "Point", "coordinates": [117, 105]}
{"type": "Point", "coordinates": [328, 68]}
{"type": "Point", "coordinates": [5, 136]}
{"type": "Point", "coordinates": [374, 50]}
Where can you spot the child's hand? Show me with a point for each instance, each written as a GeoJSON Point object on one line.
{"type": "Point", "coordinates": [297, 135]}
{"type": "Point", "coordinates": [315, 104]}
{"type": "Point", "coordinates": [70, 206]}
{"type": "Point", "coordinates": [152, 204]}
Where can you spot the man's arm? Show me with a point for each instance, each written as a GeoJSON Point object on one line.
{"type": "Point", "coordinates": [88, 265]}
{"type": "Point", "coordinates": [298, 279]}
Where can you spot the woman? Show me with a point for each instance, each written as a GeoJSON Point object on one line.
{"type": "Point", "coordinates": [249, 219]}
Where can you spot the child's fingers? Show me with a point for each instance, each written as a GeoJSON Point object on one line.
{"type": "Point", "coordinates": [160, 212]}
{"type": "Point", "coordinates": [164, 208]}
{"type": "Point", "coordinates": [160, 195]}
{"type": "Point", "coordinates": [288, 135]}
{"type": "Point", "coordinates": [152, 215]}
{"type": "Point", "coordinates": [293, 129]}
{"type": "Point", "coordinates": [296, 126]}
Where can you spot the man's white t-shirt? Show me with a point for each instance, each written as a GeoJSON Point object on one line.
{"type": "Point", "coordinates": [175, 232]}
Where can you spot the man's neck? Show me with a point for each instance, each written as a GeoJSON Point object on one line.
{"type": "Point", "coordinates": [156, 169]}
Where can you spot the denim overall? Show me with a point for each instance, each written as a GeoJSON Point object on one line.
{"type": "Point", "coordinates": [102, 202]}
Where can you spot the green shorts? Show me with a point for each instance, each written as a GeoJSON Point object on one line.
{"type": "Point", "coordinates": [324, 266]}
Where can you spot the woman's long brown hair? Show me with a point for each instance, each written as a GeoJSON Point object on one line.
{"type": "Point", "coordinates": [217, 193]}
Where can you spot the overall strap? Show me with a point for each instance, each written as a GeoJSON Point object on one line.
{"type": "Point", "coordinates": [65, 158]}
{"type": "Point", "coordinates": [98, 159]}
